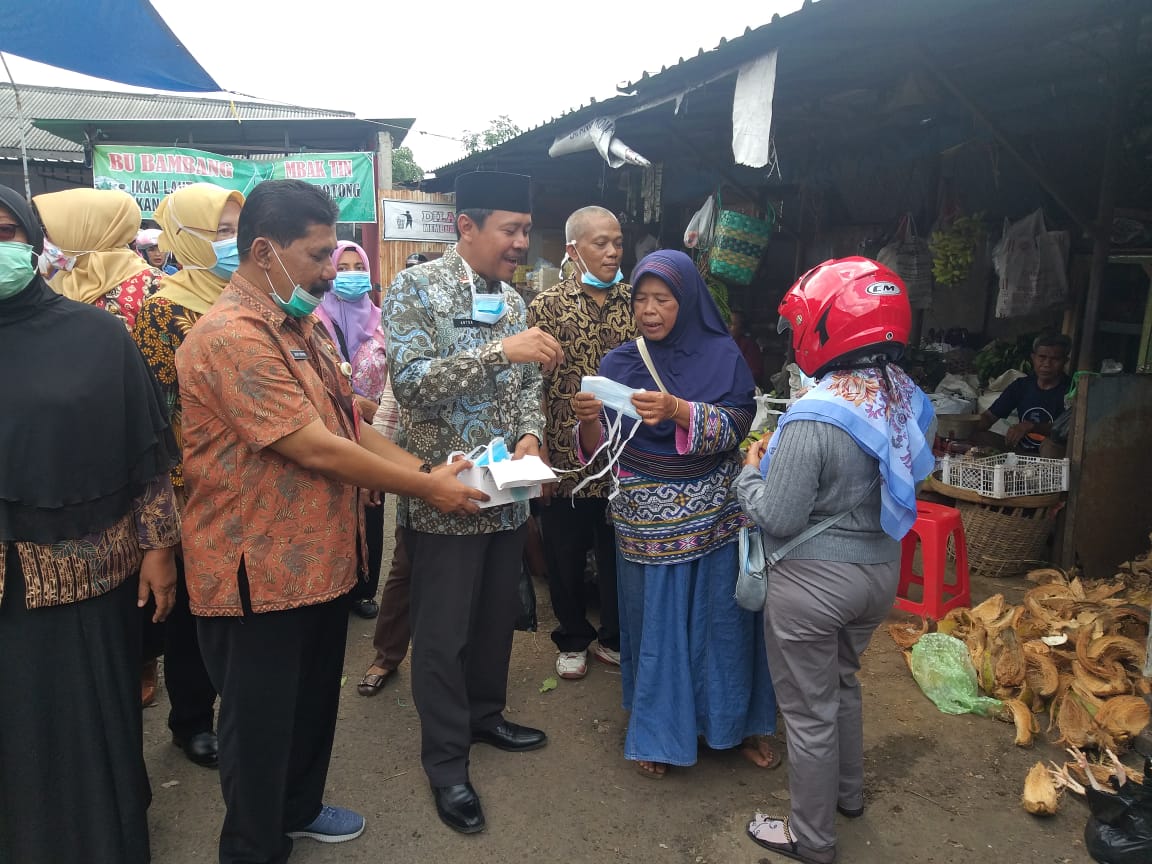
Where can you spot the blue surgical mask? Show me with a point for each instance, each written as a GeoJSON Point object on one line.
{"type": "Point", "coordinates": [486, 308]}
{"type": "Point", "coordinates": [301, 304]}
{"type": "Point", "coordinates": [351, 285]}
{"type": "Point", "coordinates": [16, 269]}
{"type": "Point", "coordinates": [588, 279]}
{"type": "Point", "coordinates": [227, 258]}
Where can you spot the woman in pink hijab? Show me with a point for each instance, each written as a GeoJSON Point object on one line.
{"type": "Point", "coordinates": [353, 322]}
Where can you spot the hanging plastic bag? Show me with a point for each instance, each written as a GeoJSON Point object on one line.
{"type": "Point", "coordinates": [944, 671]}
{"type": "Point", "coordinates": [1031, 262]}
{"type": "Point", "coordinates": [1119, 831]}
{"type": "Point", "coordinates": [698, 234]}
{"type": "Point", "coordinates": [911, 258]}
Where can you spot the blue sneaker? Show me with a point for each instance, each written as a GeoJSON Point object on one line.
{"type": "Point", "coordinates": [333, 825]}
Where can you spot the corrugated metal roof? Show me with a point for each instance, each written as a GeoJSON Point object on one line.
{"type": "Point", "coordinates": [67, 103]}
{"type": "Point", "coordinates": [729, 53]}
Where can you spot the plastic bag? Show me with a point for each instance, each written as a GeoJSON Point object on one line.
{"type": "Point", "coordinates": [1031, 262]}
{"type": "Point", "coordinates": [701, 226]}
{"type": "Point", "coordinates": [1119, 831]}
{"type": "Point", "coordinates": [944, 671]}
{"type": "Point", "coordinates": [911, 258]}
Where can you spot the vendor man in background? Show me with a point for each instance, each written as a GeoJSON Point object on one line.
{"type": "Point", "coordinates": [1037, 399]}
{"type": "Point", "coordinates": [465, 370]}
{"type": "Point", "coordinates": [274, 451]}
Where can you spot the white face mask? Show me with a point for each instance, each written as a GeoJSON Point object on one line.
{"type": "Point", "coordinates": [618, 397]}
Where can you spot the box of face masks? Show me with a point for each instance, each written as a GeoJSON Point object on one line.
{"type": "Point", "coordinates": [504, 479]}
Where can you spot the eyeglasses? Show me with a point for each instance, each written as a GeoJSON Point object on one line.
{"type": "Point", "coordinates": [8, 232]}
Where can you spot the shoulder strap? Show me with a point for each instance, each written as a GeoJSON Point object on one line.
{"type": "Point", "coordinates": [647, 358]}
{"type": "Point", "coordinates": [819, 527]}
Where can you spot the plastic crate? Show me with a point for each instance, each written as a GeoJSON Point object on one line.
{"type": "Point", "coordinates": [1008, 475]}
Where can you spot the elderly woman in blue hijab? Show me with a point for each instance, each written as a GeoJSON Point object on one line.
{"type": "Point", "coordinates": [693, 663]}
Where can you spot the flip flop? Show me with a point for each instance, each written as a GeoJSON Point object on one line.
{"type": "Point", "coordinates": [651, 773]}
{"type": "Point", "coordinates": [789, 849]}
{"type": "Point", "coordinates": [757, 741]}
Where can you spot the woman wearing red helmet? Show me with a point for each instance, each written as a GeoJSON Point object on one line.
{"type": "Point", "coordinates": [860, 439]}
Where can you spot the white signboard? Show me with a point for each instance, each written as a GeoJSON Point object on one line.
{"type": "Point", "coordinates": [417, 220]}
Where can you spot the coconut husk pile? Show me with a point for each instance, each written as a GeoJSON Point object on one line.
{"type": "Point", "coordinates": [1073, 649]}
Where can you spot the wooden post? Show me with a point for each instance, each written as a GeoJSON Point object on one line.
{"type": "Point", "coordinates": [1106, 203]}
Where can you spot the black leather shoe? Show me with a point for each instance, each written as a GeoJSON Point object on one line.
{"type": "Point", "coordinates": [511, 737]}
{"type": "Point", "coordinates": [201, 748]}
{"type": "Point", "coordinates": [367, 609]}
{"type": "Point", "coordinates": [850, 812]}
{"type": "Point", "coordinates": [459, 808]}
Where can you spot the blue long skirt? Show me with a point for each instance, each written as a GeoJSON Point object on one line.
{"type": "Point", "coordinates": [692, 661]}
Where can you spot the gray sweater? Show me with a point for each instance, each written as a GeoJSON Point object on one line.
{"type": "Point", "coordinates": [816, 472]}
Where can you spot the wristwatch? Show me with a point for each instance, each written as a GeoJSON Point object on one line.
{"type": "Point", "coordinates": [426, 468]}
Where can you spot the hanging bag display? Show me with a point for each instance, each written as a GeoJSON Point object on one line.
{"type": "Point", "coordinates": [740, 241]}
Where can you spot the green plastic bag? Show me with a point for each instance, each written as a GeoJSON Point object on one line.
{"type": "Point", "coordinates": [944, 671]}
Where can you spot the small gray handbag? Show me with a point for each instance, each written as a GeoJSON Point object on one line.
{"type": "Point", "coordinates": [752, 578]}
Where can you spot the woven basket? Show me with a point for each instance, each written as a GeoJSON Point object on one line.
{"type": "Point", "coordinates": [1005, 541]}
{"type": "Point", "coordinates": [739, 242]}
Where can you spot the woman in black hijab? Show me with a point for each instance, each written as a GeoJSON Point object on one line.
{"type": "Point", "coordinates": [85, 505]}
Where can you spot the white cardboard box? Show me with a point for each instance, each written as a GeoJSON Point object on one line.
{"type": "Point", "coordinates": [509, 481]}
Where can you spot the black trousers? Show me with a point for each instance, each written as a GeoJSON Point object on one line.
{"type": "Point", "coordinates": [278, 674]}
{"type": "Point", "coordinates": [569, 532]}
{"type": "Point", "coordinates": [190, 690]}
{"type": "Point", "coordinates": [465, 599]}
{"type": "Point", "coordinates": [374, 540]}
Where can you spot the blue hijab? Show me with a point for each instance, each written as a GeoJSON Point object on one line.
{"type": "Point", "coordinates": [698, 361]}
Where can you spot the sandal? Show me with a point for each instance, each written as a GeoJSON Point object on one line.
{"type": "Point", "coordinates": [651, 770]}
{"type": "Point", "coordinates": [758, 745]}
{"type": "Point", "coordinates": [371, 684]}
{"type": "Point", "coordinates": [766, 826]}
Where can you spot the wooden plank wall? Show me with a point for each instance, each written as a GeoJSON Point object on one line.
{"type": "Point", "coordinates": [393, 253]}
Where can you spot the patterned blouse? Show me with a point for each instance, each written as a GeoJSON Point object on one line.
{"type": "Point", "coordinates": [675, 521]}
{"type": "Point", "coordinates": [74, 570]}
{"type": "Point", "coordinates": [160, 329]}
{"type": "Point", "coordinates": [124, 301]}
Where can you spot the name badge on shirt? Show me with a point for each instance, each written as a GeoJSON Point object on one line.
{"type": "Point", "coordinates": [469, 322]}
{"type": "Point", "coordinates": [299, 355]}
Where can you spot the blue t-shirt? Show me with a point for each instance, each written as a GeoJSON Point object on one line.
{"type": "Point", "coordinates": [1030, 402]}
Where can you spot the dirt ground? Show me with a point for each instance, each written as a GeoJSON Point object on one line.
{"type": "Point", "coordinates": [939, 789]}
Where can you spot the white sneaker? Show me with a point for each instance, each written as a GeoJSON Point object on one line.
{"type": "Point", "coordinates": [606, 655]}
{"type": "Point", "coordinates": [572, 664]}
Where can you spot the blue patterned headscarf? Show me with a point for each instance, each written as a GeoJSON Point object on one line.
{"type": "Point", "coordinates": [888, 416]}
{"type": "Point", "coordinates": [698, 361]}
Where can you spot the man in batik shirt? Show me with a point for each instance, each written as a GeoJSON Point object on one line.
{"type": "Point", "coordinates": [465, 370]}
{"type": "Point", "coordinates": [589, 313]}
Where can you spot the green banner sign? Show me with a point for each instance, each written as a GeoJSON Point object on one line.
{"type": "Point", "coordinates": [150, 173]}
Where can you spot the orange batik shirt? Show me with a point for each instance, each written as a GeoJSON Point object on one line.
{"type": "Point", "coordinates": [250, 375]}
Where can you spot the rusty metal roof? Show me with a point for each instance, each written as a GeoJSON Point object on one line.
{"type": "Point", "coordinates": [43, 103]}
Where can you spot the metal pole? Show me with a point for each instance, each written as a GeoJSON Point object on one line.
{"type": "Point", "coordinates": [384, 161]}
{"type": "Point", "coordinates": [23, 129]}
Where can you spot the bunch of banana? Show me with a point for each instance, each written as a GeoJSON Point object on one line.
{"type": "Point", "coordinates": [954, 249]}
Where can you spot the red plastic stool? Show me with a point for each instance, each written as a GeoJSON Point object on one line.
{"type": "Point", "coordinates": [934, 524]}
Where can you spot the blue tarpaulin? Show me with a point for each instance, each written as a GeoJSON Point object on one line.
{"type": "Point", "coordinates": [117, 40]}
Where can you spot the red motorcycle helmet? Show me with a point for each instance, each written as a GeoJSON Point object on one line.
{"type": "Point", "coordinates": [845, 307]}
